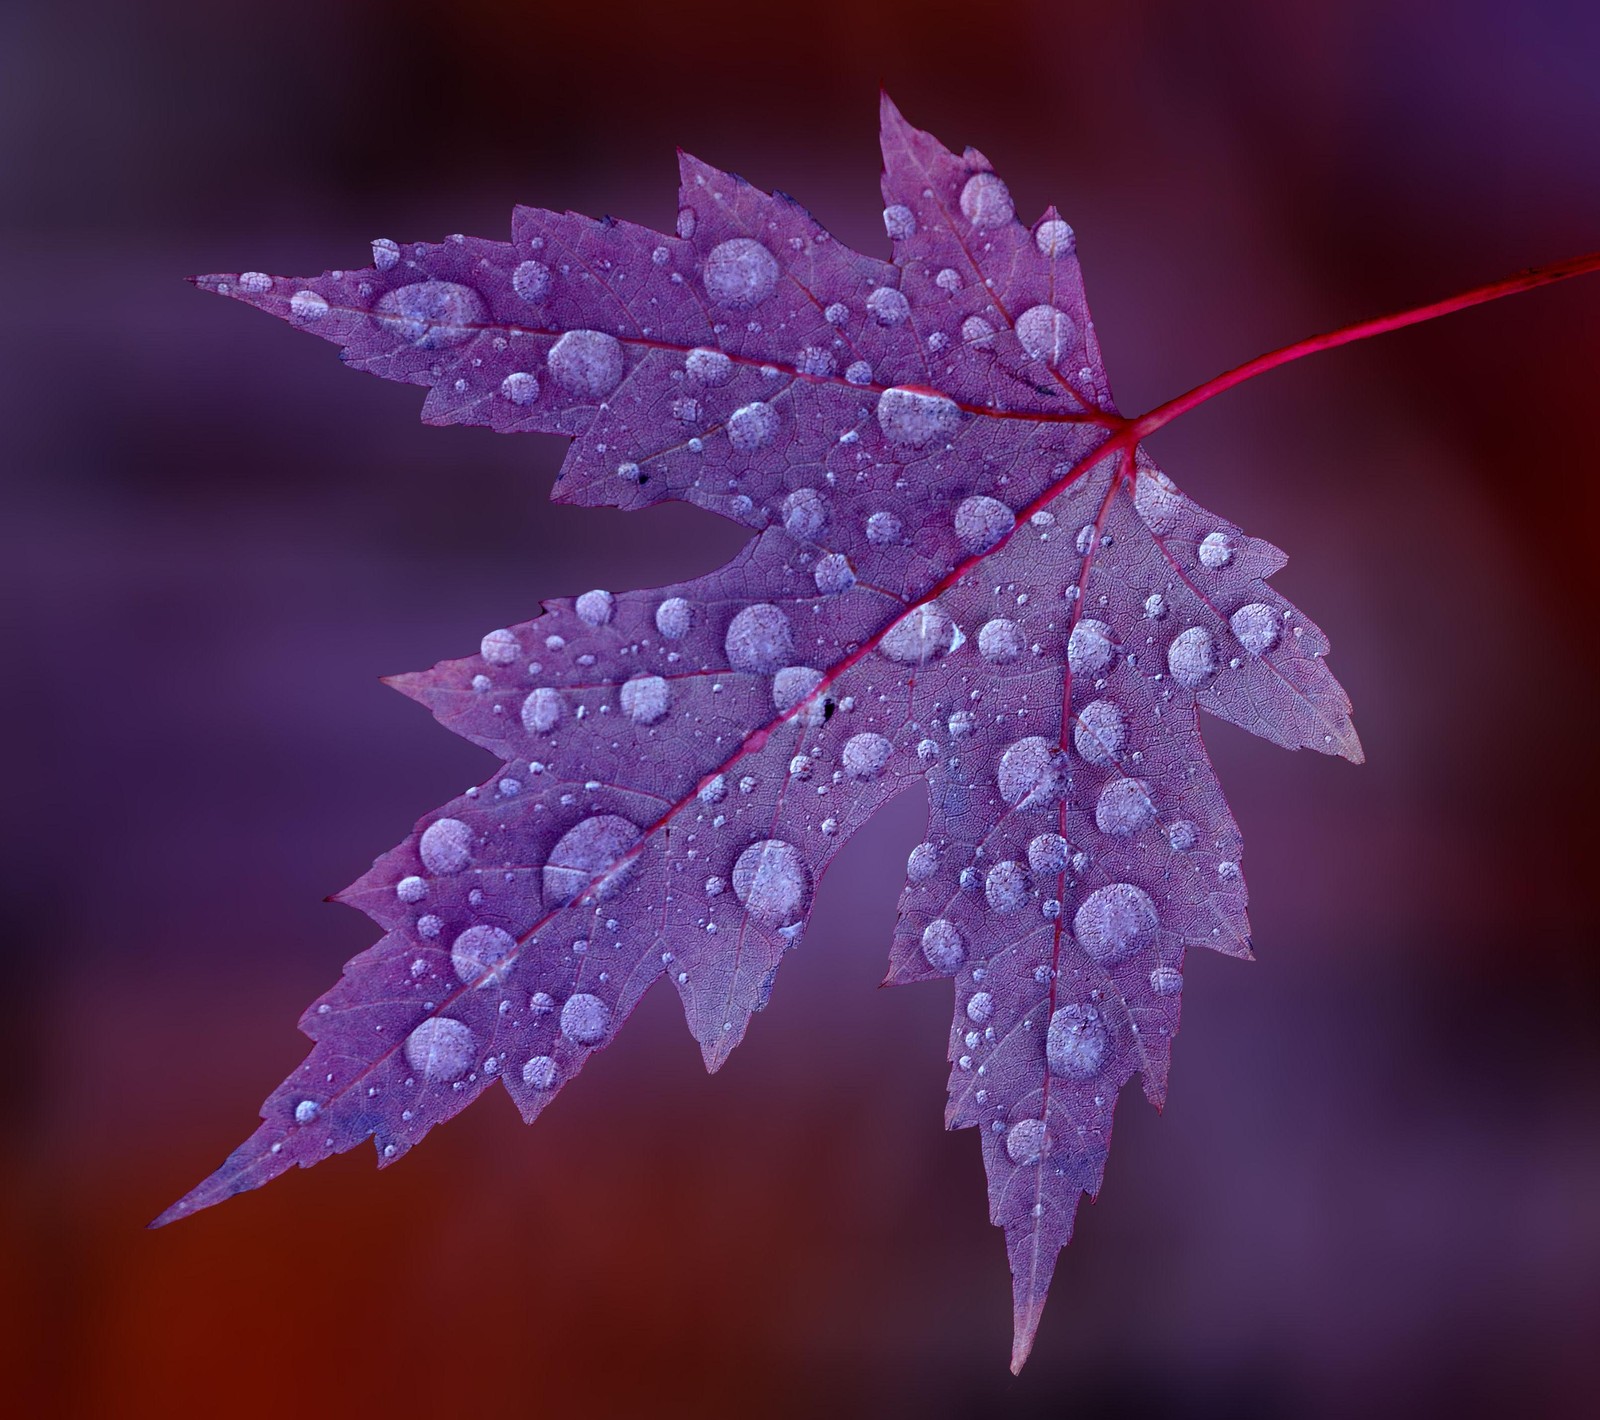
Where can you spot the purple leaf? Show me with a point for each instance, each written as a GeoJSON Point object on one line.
{"type": "Point", "coordinates": [964, 572]}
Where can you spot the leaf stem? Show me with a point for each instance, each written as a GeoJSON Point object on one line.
{"type": "Point", "coordinates": [1528, 280]}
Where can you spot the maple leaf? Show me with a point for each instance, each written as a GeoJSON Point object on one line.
{"type": "Point", "coordinates": [965, 572]}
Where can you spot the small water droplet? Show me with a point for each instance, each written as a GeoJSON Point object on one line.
{"type": "Point", "coordinates": [445, 846]}
{"type": "Point", "coordinates": [740, 273]}
{"type": "Point", "coordinates": [1192, 658]}
{"type": "Point", "coordinates": [943, 946]}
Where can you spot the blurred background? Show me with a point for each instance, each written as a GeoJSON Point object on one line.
{"type": "Point", "coordinates": [1377, 1182]}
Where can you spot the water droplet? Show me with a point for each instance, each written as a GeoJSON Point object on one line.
{"type": "Point", "coordinates": [1048, 854]}
{"type": "Point", "coordinates": [1046, 333]}
{"type": "Point", "coordinates": [986, 201]}
{"type": "Point", "coordinates": [306, 1111]}
{"type": "Point", "coordinates": [914, 417]}
{"type": "Point", "coordinates": [999, 641]}
{"type": "Point", "coordinates": [1192, 658]}
{"type": "Point", "coordinates": [674, 618]}
{"type": "Point", "coordinates": [307, 306]}
{"type": "Point", "coordinates": [921, 635]}
{"type": "Point", "coordinates": [1228, 871]}
{"type": "Point", "coordinates": [1027, 1141]}
{"type": "Point", "coordinates": [975, 330]}
{"type": "Point", "coordinates": [1100, 733]}
{"type": "Point", "coordinates": [948, 280]}
{"type": "Point", "coordinates": [585, 1019]}
{"type": "Point", "coordinates": [899, 222]}
{"type": "Point", "coordinates": [595, 607]}
{"type": "Point", "coordinates": [586, 363]}
{"type": "Point", "coordinates": [887, 306]}
{"type": "Point", "coordinates": [1183, 835]}
{"type": "Point", "coordinates": [771, 880]}
{"type": "Point", "coordinates": [710, 367]}
{"type": "Point", "coordinates": [500, 648]}
{"type": "Point", "coordinates": [752, 427]}
{"type": "Point", "coordinates": [645, 699]}
{"type": "Point", "coordinates": [791, 685]}
{"type": "Point", "coordinates": [865, 755]}
{"type": "Point", "coordinates": [481, 950]}
{"type": "Point", "coordinates": [1155, 606]}
{"type": "Point", "coordinates": [1089, 648]}
{"type": "Point", "coordinates": [432, 315]}
{"type": "Point", "coordinates": [961, 724]}
{"type": "Point", "coordinates": [1124, 807]}
{"type": "Point", "coordinates": [1005, 888]}
{"type": "Point", "coordinates": [1076, 1044]}
{"type": "Point", "coordinates": [446, 846]}
{"type": "Point", "coordinates": [981, 523]}
{"type": "Point", "coordinates": [980, 1007]}
{"type": "Point", "coordinates": [385, 253]}
{"type": "Point", "coordinates": [531, 281]}
{"type": "Point", "coordinates": [817, 363]}
{"type": "Point", "coordinates": [759, 639]}
{"type": "Point", "coordinates": [922, 862]}
{"type": "Point", "coordinates": [257, 283]}
{"type": "Point", "coordinates": [542, 710]}
{"type": "Point", "coordinates": [539, 1073]}
{"type": "Point", "coordinates": [586, 852]}
{"type": "Point", "coordinates": [805, 514]}
{"type": "Point", "coordinates": [1166, 981]}
{"type": "Point", "coordinates": [428, 927]}
{"type": "Point", "coordinates": [740, 273]}
{"type": "Point", "coordinates": [836, 314]}
{"type": "Point", "coordinates": [411, 889]}
{"type": "Point", "coordinates": [441, 1049]}
{"type": "Point", "coordinates": [1216, 551]}
{"type": "Point", "coordinates": [1032, 774]}
{"type": "Point", "coordinates": [1256, 627]}
{"type": "Point", "coordinates": [942, 945]}
{"type": "Point", "coordinates": [1053, 238]}
{"type": "Point", "coordinates": [520, 388]}
{"type": "Point", "coordinates": [1114, 922]}
{"type": "Point", "coordinates": [834, 574]}
{"type": "Point", "coordinates": [1157, 501]}
{"type": "Point", "coordinates": [884, 530]}
{"type": "Point", "coordinates": [686, 222]}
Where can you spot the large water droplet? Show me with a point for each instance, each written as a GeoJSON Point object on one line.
{"type": "Point", "coordinates": [446, 846]}
{"type": "Point", "coordinates": [980, 1007]}
{"type": "Point", "coordinates": [539, 1073]}
{"type": "Point", "coordinates": [1124, 807]}
{"type": "Point", "coordinates": [981, 522]}
{"type": "Point", "coordinates": [432, 315]}
{"type": "Point", "coordinates": [1053, 238]}
{"type": "Point", "coordinates": [1100, 732]}
{"type": "Point", "coordinates": [441, 1049]}
{"type": "Point", "coordinates": [1090, 648]}
{"type": "Point", "coordinates": [833, 574]}
{"type": "Point", "coordinates": [1114, 922]}
{"type": "Point", "coordinates": [887, 306]}
{"type": "Point", "coordinates": [1216, 551]}
{"type": "Point", "coordinates": [587, 854]}
{"type": "Point", "coordinates": [1046, 333]}
{"type": "Point", "coordinates": [520, 388]}
{"type": "Point", "coordinates": [986, 201]}
{"type": "Point", "coordinates": [710, 367]}
{"type": "Point", "coordinates": [900, 222]}
{"type": "Point", "coordinates": [1256, 627]}
{"type": "Point", "coordinates": [1049, 854]}
{"type": "Point", "coordinates": [586, 363]}
{"type": "Point", "coordinates": [922, 634]}
{"type": "Point", "coordinates": [884, 529]}
{"type": "Point", "coordinates": [585, 1019]}
{"type": "Point", "coordinates": [1032, 774]}
{"type": "Point", "coordinates": [531, 281]}
{"type": "Point", "coordinates": [595, 607]}
{"type": "Point", "coordinates": [385, 253]}
{"type": "Point", "coordinates": [1027, 1141]}
{"type": "Point", "coordinates": [500, 648]}
{"type": "Point", "coordinates": [307, 306]}
{"type": "Point", "coordinates": [805, 514]}
{"type": "Point", "coordinates": [1192, 658]}
{"type": "Point", "coordinates": [752, 427]}
{"type": "Point", "coordinates": [922, 862]}
{"type": "Point", "coordinates": [1166, 981]}
{"type": "Point", "coordinates": [1157, 501]}
{"type": "Point", "coordinates": [791, 685]}
{"type": "Point", "coordinates": [759, 639]}
{"type": "Point", "coordinates": [1076, 1045]}
{"type": "Point", "coordinates": [645, 699]}
{"type": "Point", "coordinates": [481, 951]}
{"type": "Point", "coordinates": [1005, 887]}
{"type": "Point", "coordinates": [674, 617]}
{"type": "Point", "coordinates": [771, 880]}
{"type": "Point", "coordinates": [542, 710]}
{"type": "Point", "coordinates": [943, 947]}
{"type": "Point", "coordinates": [865, 755]}
{"type": "Point", "coordinates": [740, 273]}
{"type": "Point", "coordinates": [999, 641]}
{"type": "Point", "coordinates": [914, 418]}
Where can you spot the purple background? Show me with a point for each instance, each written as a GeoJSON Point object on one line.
{"type": "Point", "coordinates": [1377, 1183]}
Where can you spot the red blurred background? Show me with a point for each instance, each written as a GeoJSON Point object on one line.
{"type": "Point", "coordinates": [1377, 1184]}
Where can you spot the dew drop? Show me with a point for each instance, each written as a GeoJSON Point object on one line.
{"type": "Point", "coordinates": [884, 530]}
{"type": "Point", "coordinates": [975, 330]}
{"type": "Point", "coordinates": [1216, 551]}
{"type": "Point", "coordinates": [1192, 658]}
{"type": "Point", "coordinates": [899, 222]}
{"type": "Point", "coordinates": [446, 846]}
{"type": "Point", "coordinates": [922, 862]}
{"type": "Point", "coordinates": [480, 950]}
{"type": "Point", "coordinates": [710, 367]}
{"type": "Point", "coordinates": [531, 281]}
{"type": "Point", "coordinates": [1256, 627]}
{"type": "Point", "coordinates": [791, 685]}
{"type": "Point", "coordinates": [674, 617]}
{"type": "Point", "coordinates": [1155, 606]}
{"type": "Point", "coordinates": [759, 639]}
{"type": "Point", "coordinates": [441, 1049]}
{"type": "Point", "coordinates": [645, 699]}
{"type": "Point", "coordinates": [385, 254]}
{"type": "Point", "coordinates": [1076, 1044]}
{"type": "Point", "coordinates": [1114, 922]}
{"type": "Point", "coordinates": [1124, 807]}
{"type": "Point", "coordinates": [586, 363]}
{"type": "Point", "coordinates": [500, 648]}
{"type": "Point", "coordinates": [771, 880]}
{"type": "Point", "coordinates": [887, 306]}
{"type": "Point", "coordinates": [306, 1111]}
{"type": "Point", "coordinates": [1183, 835]}
{"type": "Point", "coordinates": [586, 852]}
{"type": "Point", "coordinates": [834, 574]}
{"type": "Point", "coordinates": [1032, 774]}
{"type": "Point", "coordinates": [1166, 981]}
{"type": "Point", "coordinates": [1027, 1141]}
{"type": "Point", "coordinates": [981, 522]}
{"type": "Point", "coordinates": [257, 283]}
{"type": "Point", "coordinates": [307, 306]}
{"type": "Point", "coordinates": [686, 222]}
{"type": "Point", "coordinates": [411, 889]}
{"type": "Point", "coordinates": [740, 273]}
{"type": "Point", "coordinates": [1046, 333]}
{"type": "Point", "coordinates": [980, 1007]}
{"type": "Point", "coordinates": [942, 945]}
{"type": "Point", "coordinates": [1157, 501]}
{"type": "Point", "coordinates": [1053, 238]}
{"type": "Point", "coordinates": [1005, 887]}
{"type": "Point", "coordinates": [921, 635]}
{"type": "Point", "coordinates": [1089, 648]}
{"type": "Point", "coordinates": [539, 1073]}
{"type": "Point", "coordinates": [865, 755]}
{"type": "Point", "coordinates": [1048, 854]}
{"type": "Point", "coordinates": [805, 514]}
{"type": "Point", "coordinates": [837, 313]}
{"type": "Point", "coordinates": [986, 201]}
{"type": "Point", "coordinates": [432, 315]}
{"type": "Point", "coordinates": [595, 607]}
{"type": "Point", "coordinates": [752, 427]}
{"type": "Point", "coordinates": [542, 710]}
{"type": "Point", "coordinates": [585, 1019]}
{"type": "Point", "coordinates": [914, 418]}
{"type": "Point", "coordinates": [1100, 733]}
{"type": "Point", "coordinates": [999, 641]}
{"type": "Point", "coordinates": [520, 388]}
{"type": "Point", "coordinates": [428, 928]}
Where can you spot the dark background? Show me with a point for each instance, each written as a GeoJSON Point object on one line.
{"type": "Point", "coordinates": [1376, 1183]}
